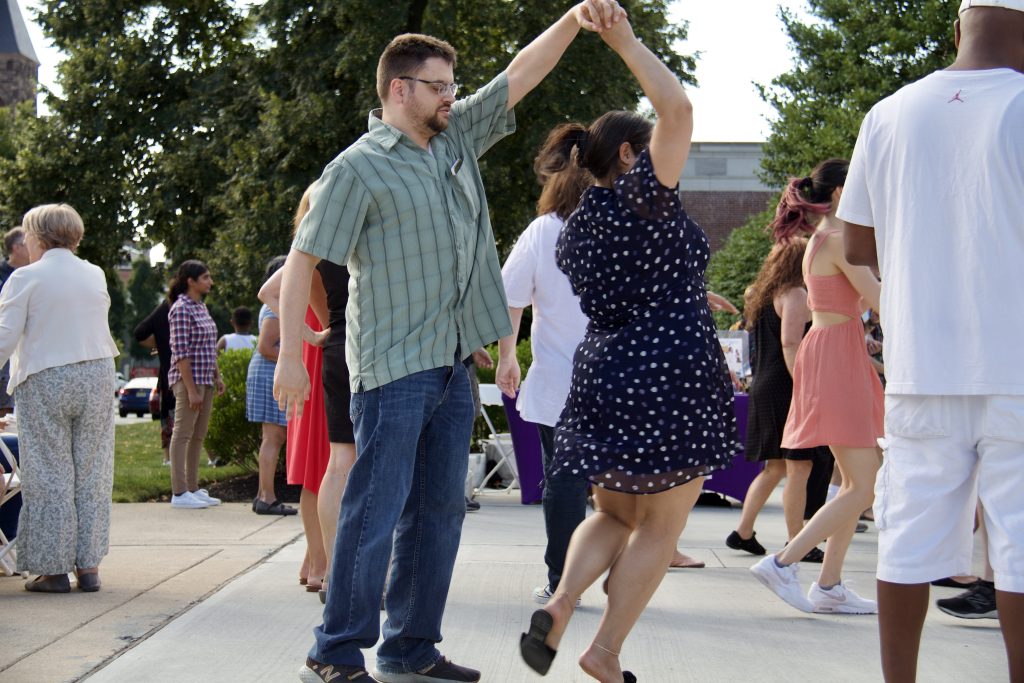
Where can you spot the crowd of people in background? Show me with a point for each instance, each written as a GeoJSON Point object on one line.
{"type": "Point", "coordinates": [362, 364]}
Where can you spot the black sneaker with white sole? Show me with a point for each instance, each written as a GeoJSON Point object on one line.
{"type": "Point", "coordinates": [441, 671]}
{"type": "Point", "coordinates": [977, 602]}
{"type": "Point", "coordinates": [316, 672]}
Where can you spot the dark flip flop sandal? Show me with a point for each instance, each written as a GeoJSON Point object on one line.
{"type": "Point", "coordinates": [536, 653]}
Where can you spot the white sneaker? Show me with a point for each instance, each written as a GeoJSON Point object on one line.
{"type": "Point", "coordinates": [783, 582]}
{"type": "Point", "coordinates": [541, 595]}
{"type": "Point", "coordinates": [204, 495]}
{"type": "Point", "coordinates": [840, 599]}
{"type": "Point", "coordinates": [188, 501]}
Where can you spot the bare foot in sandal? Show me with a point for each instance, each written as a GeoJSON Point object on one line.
{"type": "Point", "coordinates": [560, 608]}
{"type": "Point", "coordinates": [602, 664]}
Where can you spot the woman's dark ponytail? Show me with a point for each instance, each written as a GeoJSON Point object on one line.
{"type": "Point", "coordinates": [188, 270]}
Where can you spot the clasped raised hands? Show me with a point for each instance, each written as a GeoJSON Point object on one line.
{"type": "Point", "coordinates": [598, 15]}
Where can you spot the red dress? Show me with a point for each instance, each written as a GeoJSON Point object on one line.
{"type": "Point", "coordinates": [309, 449]}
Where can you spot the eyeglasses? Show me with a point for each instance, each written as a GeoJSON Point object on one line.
{"type": "Point", "coordinates": [440, 87]}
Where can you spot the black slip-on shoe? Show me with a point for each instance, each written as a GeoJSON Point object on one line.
{"type": "Point", "coordinates": [750, 545]}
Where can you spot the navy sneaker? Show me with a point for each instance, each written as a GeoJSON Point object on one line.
{"type": "Point", "coordinates": [977, 602]}
{"type": "Point", "coordinates": [315, 672]}
{"type": "Point", "coordinates": [439, 672]}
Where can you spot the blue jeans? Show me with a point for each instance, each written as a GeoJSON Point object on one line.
{"type": "Point", "coordinates": [405, 501]}
{"type": "Point", "coordinates": [565, 506]}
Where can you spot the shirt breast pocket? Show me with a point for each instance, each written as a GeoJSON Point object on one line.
{"type": "Point", "coordinates": [466, 193]}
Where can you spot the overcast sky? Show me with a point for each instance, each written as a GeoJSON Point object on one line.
{"type": "Point", "coordinates": [741, 42]}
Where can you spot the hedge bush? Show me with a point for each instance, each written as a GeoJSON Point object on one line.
{"type": "Point", "coordinates": [231, 438]}
{"type": "Point", "coordinates": [734, 267]}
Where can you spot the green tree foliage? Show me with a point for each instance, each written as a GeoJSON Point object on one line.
{"type": "Point", "coordinates": [199, 123]}
{"type": "Point", "coordinates": [848, 56]}
{"type": "Point", "coordinates": [316, 83]}
{"type": "Point", "coordinates": [137, 76]}
{"type": "Point", "coordinates": [734, 266]}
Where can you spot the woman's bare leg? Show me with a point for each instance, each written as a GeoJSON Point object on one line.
{"type": "Point", "coordinates": [314, 539]}
{"type": "Point", "coordinates": [270, 450]}
{"type": "Point", "coordinates": [794, 495]}
{"type": "Point", "coordinates": [757, 494]}
{"type": "Point", "coordinates": [837, 520]}
{"type": "Point", "coordinates": [332, 487]}
{"type": "Point", "coordinates": [658, 521]}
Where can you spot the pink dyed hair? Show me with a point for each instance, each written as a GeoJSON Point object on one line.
{"type": "Point", "coordinates": [792, 216]}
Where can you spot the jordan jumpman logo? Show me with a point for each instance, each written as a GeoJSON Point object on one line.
{"type": "Point", "coordinates": [956, 98]}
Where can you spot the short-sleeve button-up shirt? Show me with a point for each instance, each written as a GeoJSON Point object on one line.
{"type": "Point", "coordinates": [413, 228]}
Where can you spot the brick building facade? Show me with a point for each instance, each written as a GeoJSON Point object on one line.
{"type": "Point", "coordinates": [720, 187]}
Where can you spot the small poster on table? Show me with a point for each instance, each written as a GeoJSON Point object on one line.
{"type": "Point", "coordinates": [736, 347]}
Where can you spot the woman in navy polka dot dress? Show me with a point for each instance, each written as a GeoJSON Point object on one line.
{"type": "Point", "coordinates": [650, 407]}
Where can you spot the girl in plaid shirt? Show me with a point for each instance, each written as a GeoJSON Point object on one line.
{"type": "Point", "coordinates": [193, 377]}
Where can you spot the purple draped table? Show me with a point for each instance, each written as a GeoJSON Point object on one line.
{"type": "Point", "coordinates": [735, 480]}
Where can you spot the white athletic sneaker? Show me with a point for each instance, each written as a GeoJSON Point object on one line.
{"type": "Point", "coordinates": [203, 495]}
{"type": "Point", "coordinates": [840, 599]}
{"type": "Point", "coordinates": [188, 501]}
{"type": "Point", "coordinates": [541, 595]}
{"type": "Point", "coordinates": [783, 582]}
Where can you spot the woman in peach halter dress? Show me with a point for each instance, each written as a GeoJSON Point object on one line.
{"type": "Point", "coordinates": [837, 401]}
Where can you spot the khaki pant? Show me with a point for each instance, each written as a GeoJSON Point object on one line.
{"type": "Point", "coordinates": [187, 439]}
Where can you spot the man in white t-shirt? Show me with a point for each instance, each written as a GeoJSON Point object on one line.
{"type": "Point", "coordinates": [935, 197]}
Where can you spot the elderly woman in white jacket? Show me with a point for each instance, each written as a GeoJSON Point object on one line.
{"type": "Point", "coordinates": [53, 327]}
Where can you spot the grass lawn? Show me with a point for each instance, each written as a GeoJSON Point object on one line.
{"type": "Point", "coordinates": [138, 474]}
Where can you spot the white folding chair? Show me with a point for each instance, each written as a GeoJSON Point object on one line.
{"type": "Point", "coordinates": [9, 488]}
{"type": "Point", "coordinates": [490, 395]}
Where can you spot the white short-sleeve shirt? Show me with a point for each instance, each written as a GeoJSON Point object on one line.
{"type": "Point", "coordinates": [532, 278]}
{"type": "Point", "coordinates": [938, 171]}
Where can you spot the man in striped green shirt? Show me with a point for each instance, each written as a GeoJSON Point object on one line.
{"type": "Point", "coordinates": [404, 208]}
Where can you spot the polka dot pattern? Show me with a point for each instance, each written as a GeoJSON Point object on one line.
{"type": "Point", "coordinates": [650, 406]}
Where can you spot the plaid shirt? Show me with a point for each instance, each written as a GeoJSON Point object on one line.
{"type": "Point", "coordinates": [414, 230]}
{"type": "Point", "coordinates": [193, 336]}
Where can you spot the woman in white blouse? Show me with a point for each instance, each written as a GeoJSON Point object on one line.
{"type": "Point", "coordinates": [53, 327]}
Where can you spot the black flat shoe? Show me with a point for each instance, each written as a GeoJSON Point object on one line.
{"type": "Point", "coordinates": [536, 653]}
{"type": "Point", "coordinates": [628, 677]}
{"type": "Point", "coordinates": [750, 545]}
{"type": "Point", "coordinates": [275, 508]}
{"type": "Point", "coordinates": [49, 584]}
{"type": "Point", "coordinates": [89, 583]}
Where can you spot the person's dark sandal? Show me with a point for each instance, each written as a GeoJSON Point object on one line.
{"type": "Point", "coordinates": [89, 582]}
{"type": "Point", "coordinates": [58, 583]}
{"type": "Point", "coordinates": [275, 508]}
{"type": "Point", "coordinates": [627, 676]}
{"type": "Point", "coordinates": [815, 555]}
{"type": "Point", "coordinates": [750, 545]}
{"type": "Point", "coordinates": [536, 653]}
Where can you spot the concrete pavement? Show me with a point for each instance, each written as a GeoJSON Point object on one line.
{"type": "Point", "coordinates": [219, 602]}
